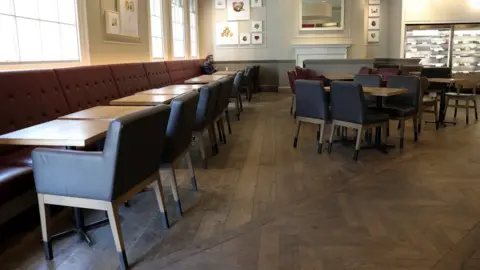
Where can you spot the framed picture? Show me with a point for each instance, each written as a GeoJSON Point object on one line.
{"type": "Point", "coordinates": [238, 10]}
{"type": "Point", "coordinates": [245, 38]}
{"type": "Point", "coordinates": [257, 26]}
{"type": "Point", "coordinates": [227, 33]}
{"type": "Point", "coordinates": [257, 38]}
{"type": "Point", "coordinates": [112, 22]}
{"type": "Point", "coordinates": [373, 36]}
{"type": "Point", "coordinates": [374, 2]}
{"type": "Point", "coordinates": [256, 3]}
{"type": "Point", "coordinates": [220, 4]}
{"type": "Point", "coordinates": [129, 17]}
{"type": "Point", "coordinates": [374, 23]}
{"type": "Point", "coordinates": [374, 11]}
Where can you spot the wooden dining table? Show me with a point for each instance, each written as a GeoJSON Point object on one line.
{"type": "Point", "coordinates": [104, 112]}
{"type": "Point", "coordinates": [177, 89]}
{"type": "Point", "coordinates": [226, 72]}
{"type": "Point", "coordinates": [204, 79]}
{"type": "Point", "coordinates": [143, 100]}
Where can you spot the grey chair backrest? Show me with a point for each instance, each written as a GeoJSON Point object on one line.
{"type": "Point", "coordinates": [180, 125]}
{"type": "Point", "coordinates": [223, 97]}
{"type": "Point", "coordinates": [133, 147]}
{"type": "Point", "coordinates": [248, 76]}
{"type": "Point", "coordinates": [372, 80]}
{"type": "Point", "coordinates": [424, 84]}
{"type": "Point", "coordinates": [347, 102]}
{"type": "Point", "coordinates": [311, 100]}
{"type": "Point", "coordinates": [237, 84]}
{"type": "Point", "coordinates": [206, 105]}
{"type": "Point", "coordinates": [412, 84]}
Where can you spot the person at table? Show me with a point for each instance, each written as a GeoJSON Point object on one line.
{"type": "Point", "coordinates": [208, 67]}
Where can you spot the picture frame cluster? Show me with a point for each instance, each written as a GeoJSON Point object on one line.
{"type": "Point", "coordinates": [373, 32]}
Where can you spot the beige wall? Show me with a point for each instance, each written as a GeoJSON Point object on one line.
{"type": "Point", "coordinates": [434, 11]}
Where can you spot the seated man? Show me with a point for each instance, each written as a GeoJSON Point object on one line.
{"type": "Point", "coordinates": [208, 67]}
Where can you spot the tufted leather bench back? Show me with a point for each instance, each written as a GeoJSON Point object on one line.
{"type": "Point", "coordinates": [192, 68]}
{"type": "Point", "coordinates": [157, 74]}
{"type": "Point", "coordinates": [86, 87]}
{"type": "Point", "coordinates": [176, 71]}
{"type": "Point", "coordinates": [130, 78]}
{"type": "Point", "coordinates": [29, 98]}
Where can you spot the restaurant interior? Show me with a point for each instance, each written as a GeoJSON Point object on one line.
{"type": "Point", "coordinates": [239, 134]}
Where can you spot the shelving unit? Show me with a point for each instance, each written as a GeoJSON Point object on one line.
{"type": "Point", "coordinates": [466, 48]}
{"type": "Point", "coordinates": [429, 43]}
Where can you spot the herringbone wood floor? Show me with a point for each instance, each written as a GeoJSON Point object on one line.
{"type": "Point", "coordinates": [263, 205]}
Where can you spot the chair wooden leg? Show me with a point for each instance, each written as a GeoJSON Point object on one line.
{"type": "Point", "coordinates": [237, 108]}
{"type": "Point", "coordinates": [157, 187]}
{"type": "Point", "coordinates": [330, 141]}
{"type": "Point", "coordinates": [419, 124]}
{"type": "Point", "coordinates": [219, 130]}
{"type": "Point", "coordinates": [415, 128]}
{"type": "Point", "coordinates": [475, 107]}
{"type": "Point", "coordinates": [318, 132]}
{"type": "Point", "coordinates": [320, 142]}
{"type": "Point", "coordinates": [114, 220]}
{"type": "Point", "coordinates": [47, 244]}
{"type": "Point", "coordinates": [435, 109]}
{"type": "Point", "coordinates": [227, 117]}
{"type": "Point", "coordinates": [188, 159]}
{"type": "Point", "coordinates": [357, 144]}
{"type": "Point", "coordinates": [402, 132]}
{"type": "Point", "coordinates": [213, 138]}
{"type": "Point", "coordinates": [224, 135]}
{"type": "Point", "coordinates": [384, 132]}
{"type": "Point", "coordinates": [455, 112]}
{"type": "Point", "coordinates": [295, 139]}
{"type": "Point", "coordinates": [467, 103]}
{"type": "Point", "coordinates": [240, 102]}
{"type": "Point", "coordinates": [176, 197]}
{"type": "Point", "coordinates": [291, 105]}
{"type": "Point", "coordinates": [201, 145]}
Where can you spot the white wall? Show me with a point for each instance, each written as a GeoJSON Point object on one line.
{"type": "Point", "coordinates": [435, 11]}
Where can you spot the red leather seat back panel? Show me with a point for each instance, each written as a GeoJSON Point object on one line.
{"type": "Point", "coordinates": [130, 78]}
{"type": "Point", "coordinates": [176, 71]}
{"type": "Point", "coordinates": [157, 74]}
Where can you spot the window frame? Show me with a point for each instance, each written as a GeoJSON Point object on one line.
{"type": "Point", "coordinates": [82, 44]}
{"type": "Point", "coordinates": [195, 2]}
{"type": "Point", "coordinates": [162, 29]}
{"type": "Point", "coordinates": [173, 22]}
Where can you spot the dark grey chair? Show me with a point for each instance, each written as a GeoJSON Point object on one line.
{"type": "Point", "coordinates": [350, 110]}
{"type": "Point", "coordinates": [248, 82]}
{"type": "Point", "coordinates": [204, 118]}
{"type": "Point", "coordinates": [312, 107]}
{"type": "Point", "coordinates": [177, 140]}
{"type": "Point", "coordinates": [428, 104]}
{"type": "Point", "coordinates": [235, 94]}
{"type": "Point", "coordinates": [404, 106]}
{"type": "Point", "coordinates": [221, 107]}
{"type": "Point", "coordinates": [104, 180]}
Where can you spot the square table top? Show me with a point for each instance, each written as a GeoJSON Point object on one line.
{"type": "Point", "coordinates": [226, 72]}
{"type": "Point", "coordinates": [143, 100]}
{"type": "Point", "coordinates": [446, 80]}
{"type": "Point", "coordinates": [103, 112]}
{"type": "Point", "coordinates": [59, 132]}
{"type": "Point", "coordinates": [204, 79]}
{"type": "Point", "coordinates": [172, 89]}
{"type": "Point", "coordinates": [380, 91]}
{"type": "Point", "coordinates": [340, 77]}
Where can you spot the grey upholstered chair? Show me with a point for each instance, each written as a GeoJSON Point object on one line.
{"type": "Point", "coordinates": [349, 109]}
{"type": "Point", "coordinates": [204, 118]}
{"type": "Point", "coordinates": [104, 180]}
{"type": "Point", "coordinates": [178, 139]}
{"type": "Point", "coordinates": [221, 106]}
{"type": "Point", "coordinates": [312, 107]}
{"type": "Point", "coordinates": [248, 82]}
{"type": "Point", "coordinates": [370, 80]}
{"type": "Point", "coordinates": [235, 94]}
{"type": "Point", "coordinates": [404, 106]}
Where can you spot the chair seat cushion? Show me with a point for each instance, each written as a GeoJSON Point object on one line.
{"type": "Point", "coordinates": [373, 116]}
{"type": "Point", "coordinates": [398, 110]}
{"type": "Point", "coordinates": [14, 181]}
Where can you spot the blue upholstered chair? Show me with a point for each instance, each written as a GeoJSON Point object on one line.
{"type": "Point", "coordinates": [350, 110]}
{"type": "Point", "coordinates": [312, 107]}
{"type": "Point", "coordinates": [221, 106]}
{"type": "Point", "coordinates": [204, 118]}
{"type": "Point", "coordinates": [104, 180]}
{"type": "Point", "coordinates": [235, 94]}
{"type": "Point", "coordinates": [178, 139]}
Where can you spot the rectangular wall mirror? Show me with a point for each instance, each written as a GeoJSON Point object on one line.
{"type": "Point", "coordinates": [322, 15]}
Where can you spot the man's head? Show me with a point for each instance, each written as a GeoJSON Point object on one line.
{"type": "Point", "coordinates": [210, 58]}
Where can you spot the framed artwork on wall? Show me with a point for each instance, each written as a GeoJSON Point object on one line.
{"type": "Point", "coordinates": [238, 10]}
{"type": "Point", "coordinates": [374, 2]}
{"type": "Point", "coordinates": [256, 3]}
{"type": "Point", "coordinates": [257, 38]}
{"type": "Point", "coordinates": [374, 23]}
{"type": "Point", "coordinates": [227, 33]}
{"type": "Point", "coordinates": [374, 11]}
{"type": "Point", "coordinates": [373, 36]}
{"type": "Point", "coordinates": [245, 38]}
{"type": "Point", "coordinates": [129, 17]}
{"type": "Point", "coordinates": [220, 4]}
{"type": "Point", "coordinates": [112, 22]}
{"type": "Point", "coordinates": [257, 26]}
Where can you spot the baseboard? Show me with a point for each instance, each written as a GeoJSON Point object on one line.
{"type": "Point", "coordinates": [284, 89]}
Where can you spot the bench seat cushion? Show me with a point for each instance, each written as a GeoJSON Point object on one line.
{"type": "Point", "coordinates": [14, 181]}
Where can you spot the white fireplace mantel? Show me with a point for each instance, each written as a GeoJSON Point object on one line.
{"type": "Point", "coordinates": [319, 51]}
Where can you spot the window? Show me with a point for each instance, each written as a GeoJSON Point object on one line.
{"type": "Point", "coordinates": [178, 27]}
{"type": "Point", "coordinates": [156, 27]}
{"type": "Point", "coordinates": [38, 31]}
{"type": "Point", "coordinates": [193, 29]}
